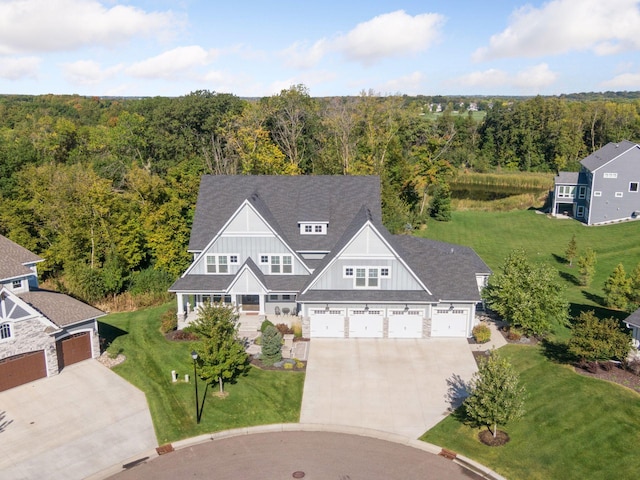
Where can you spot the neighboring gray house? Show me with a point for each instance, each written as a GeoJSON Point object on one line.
{"type": "Point", "coordinates": [633, 322]}
{"type": "Point", "coordinates": [314, 247]}
{"type": "Point", "coordinates": [605, 190]}
{"type": "Point", "coordinates": [41, 331]}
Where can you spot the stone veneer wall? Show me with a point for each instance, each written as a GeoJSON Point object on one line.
{"type": "Point", "coordinates": [29, 336]}
{"type": "Point", "coordinates": [426, 327]}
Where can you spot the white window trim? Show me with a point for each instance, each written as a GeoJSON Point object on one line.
{"type": "Point", "coordinates": [10, 328]}
{"type": "Point", "coordinates": [580, 211]}
{"type": "Point", "coordinates": [619, 194]}
{"type": "Point", "coordinates": [314, 227]}
{"type": "Point", "coordinates": [367, 268]}
{"type": "Point", "coordinates": [637, 187]}
{"type": "Point", "coordinates": [16, 284]}
{"type": "Point", "coordinates": [582, 191]}
{"type": "Point", "coordinates": [346, 275]}
{"type": "Point", "coordinates": [216, 262]}
{"type": "Point", "coordinates": [280, 263]}
{"type": "Point", "coordinates": [597, 193]}
{"type": "Point", "coordinates": [566, 191]}
{"type": "Point", "coordinates": [610, 175]}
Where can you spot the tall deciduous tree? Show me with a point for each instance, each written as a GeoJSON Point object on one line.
{"type": "Point", "coordinates": [593, 339]}
{"type": "Point", "coordinates": [528, 296]}
{"type": "Point", "coordinates": [221, 355]}
{"type": "Point", "coordinates": [496, 396]}
{"type": "Point", "coordinates": [617, 288]}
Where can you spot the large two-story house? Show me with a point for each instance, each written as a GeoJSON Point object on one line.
{"type": "Point", "coordinates": [315, 247]}
{"type": "Point", "coordinates": [605, 190]}
{"type": "Point", "coordinates": [41, 331]}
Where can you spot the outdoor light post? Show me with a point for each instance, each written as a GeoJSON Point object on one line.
{"type": "Point", "coordinates": [194, 355]}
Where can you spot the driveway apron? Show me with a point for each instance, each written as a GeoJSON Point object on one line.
{"type": "Point", "coordinates": [400, 386]}
{"type": "Point", "coordinates": [72, 425]}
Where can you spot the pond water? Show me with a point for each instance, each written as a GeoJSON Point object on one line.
{"type": "Point", "coordinates": [489, 192]}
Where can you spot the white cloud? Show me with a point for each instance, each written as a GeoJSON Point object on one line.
{"type": "Point", "coordinates": [411, 84]}
{"type": "Point", "coordinates": [392, 34]}
{"type": "Point", "coordinates": [625, 81]}
{"type": "Point", "coordinates": [12, 68]}
{"type": "Point", "coordinates": [88, 72]}
{"type": "Point", "coordinates": [531, 79]}
{"type": "Point", "coordinates": [561, 26]}
{"type": "Point", "coordinates": [174, 63]}
{"type": "Point", "coordinates": [54, 25]}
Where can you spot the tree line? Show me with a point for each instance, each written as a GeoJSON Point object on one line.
{"type": "Point", "coordinates": [104, 188]}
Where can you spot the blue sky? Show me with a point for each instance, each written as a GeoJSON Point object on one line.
{"type": "Point", "coordinates": [258, 48]}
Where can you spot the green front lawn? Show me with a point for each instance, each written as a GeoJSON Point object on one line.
{"type": "Point", "coordinates": [575, 427]}
{"type": "Point", "coordinates": [261, 397]}
{"type": "Point", "coordinates": [494, 234]}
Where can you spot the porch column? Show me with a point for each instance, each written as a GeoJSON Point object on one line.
{"type": "Point", "coordinates": [261, 298]}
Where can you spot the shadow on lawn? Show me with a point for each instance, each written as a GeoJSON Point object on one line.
{"type": "Point", "coordinates": [561, 260]}
{"type": "Point", "coordinates": [108, 333]}
{"type": "Point", "coordinates": [569, 277]}
{"type": "Point", "coordinates": [557, 352]}
{"type": "Point", "coordinates": [601, 312]}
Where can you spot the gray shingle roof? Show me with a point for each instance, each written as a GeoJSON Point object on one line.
{"type": "Point", "coordinates": [290, 200]}
{"type": "Point", "coordinates": [569, 178]}
{"type": "Point", "coordinates": [13, 258]}
{"type": "Point", "coordinates": [607, 153]}
{"type": "Point", "coordinates": [371, 296]}
{"type": "Point", "coordinates": [634, 318]}
{"type": "Point", "coordinates": [219, 283]}
{"type": "Point", "coordinates": [61, 309]}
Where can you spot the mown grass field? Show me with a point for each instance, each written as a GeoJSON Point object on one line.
{"type": "Point", "coordinates": [574, 427]}
{"type": "Point", "coordinates": [494, 234]}
{"type": "Point", "coordinates": [260, 398]}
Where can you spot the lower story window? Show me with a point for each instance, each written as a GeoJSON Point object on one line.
{"type": "Point", "coordinates": [580, 211]}
{"type": "Point", "coordinates": [5, 331]}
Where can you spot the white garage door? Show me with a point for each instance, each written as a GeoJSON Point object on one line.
{"type": "Point", "coordinates": [366, 324]}
{"type": "Point", "coordinates": [326, 324]}
{"type": "Point", "coordinates": [449, 323]}
{"type": "Point", "coordinates": [405, 324]}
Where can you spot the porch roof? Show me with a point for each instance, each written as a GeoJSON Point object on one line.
{"type": "Point", "coordinates": [220, 283]}
{"type": "Point", "coordinates": [633, 319]}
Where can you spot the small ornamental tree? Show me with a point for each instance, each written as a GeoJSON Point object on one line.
{"type": "Point", "coordinates": [496, 395]}
{"type": "Point", "coordinates": [572, 250]}
{"type": "Point", "coordinates": [221, 355]}
{"type": "Point", "coordinates": [440, 205]}
{"type": "Point", "coordinates": [617, 289]}
{"type": "Point", "coordinates": [586, 267]}
{"type": "Point", "coordinates": [528, 296]}
{"type": "Point", "coordinates": [593, 339]}
{"type": "Point", "coordinates": [271, 345]}
{"type": "Point", "coordinates": [634, 297]}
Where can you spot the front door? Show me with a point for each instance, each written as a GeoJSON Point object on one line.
{"type": "Point", "coordinates": [250, 303]}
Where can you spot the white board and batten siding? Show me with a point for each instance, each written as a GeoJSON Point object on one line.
{"type": "Point", "coordinates": [406, 324]}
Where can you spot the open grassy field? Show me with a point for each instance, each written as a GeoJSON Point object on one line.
{"type": "Point", "coordinates": [261, 397]}
{"type": "Point", "coordinates": [575, 427]}
{"type": "Point", "coordinates": [494, 234]}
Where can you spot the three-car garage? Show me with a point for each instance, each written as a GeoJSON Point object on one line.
{"type": "Point", "coordinates": [389, 322]}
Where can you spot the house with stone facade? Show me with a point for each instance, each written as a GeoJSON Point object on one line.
{"type": "Point", "coordinates": [312, 249]}
{"type": "Point", "coordinates": [41, 331]}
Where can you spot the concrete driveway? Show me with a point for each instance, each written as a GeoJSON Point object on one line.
{"type": "Point", "coordinates": [73, 425]}
{"type": "Point", "coordinates": [393, 385]}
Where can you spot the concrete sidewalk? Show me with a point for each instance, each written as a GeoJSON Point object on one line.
{"type": "Point", "coordinates": [72, 425]}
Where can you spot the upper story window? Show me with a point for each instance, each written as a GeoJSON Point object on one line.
{"type": "Point", "coordinates": [366, 277]}
{"type": "Point", "coordinates": [278, 263]}
{"type": "Point", "coordinates": [16, 284]}
{"type": "Point", "coordinates": [313, 228]}
{"type": "Point", "coordinates": [5, 331]}
{"type": "Point", "coordinates": [566, 191]}
{"type": "Point", "coordinates": [633, 186]}
{"type": "Point", "coordinates": [610, 175]}
{"type": "Point", "coordinates": [597, 193]}
{"type": "Point", "coordinates": [220, 263]}
{"type": "Point", "coordinates": [582, 191]}
{"type": "Point", "coordinates": [618, 194]}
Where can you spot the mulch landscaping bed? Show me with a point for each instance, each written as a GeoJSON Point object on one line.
{"type": "Point", "coordinates": [487, 438]}
{"type": "Point", "coordinates": [257, 363]}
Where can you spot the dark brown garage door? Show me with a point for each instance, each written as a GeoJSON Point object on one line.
{"type": "Point", "coordinates": [21, 369]}
{"type": "Point", "coordinates": [73, 349]}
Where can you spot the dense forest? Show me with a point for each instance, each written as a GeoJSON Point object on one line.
{"type": "Point", "coordinates": [104, 188]}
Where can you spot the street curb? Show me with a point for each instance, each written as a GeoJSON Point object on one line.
{"type": "Point", "coordinates": [464, 462]}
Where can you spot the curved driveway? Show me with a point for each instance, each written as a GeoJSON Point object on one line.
{"type": "Point", "coordinates": [319, 455]}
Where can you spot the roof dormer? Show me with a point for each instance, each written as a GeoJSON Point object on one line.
{"type": "Point", "coordinates": [313, 228]}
